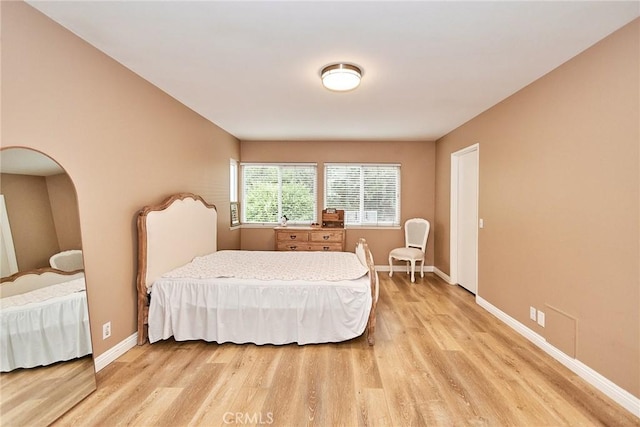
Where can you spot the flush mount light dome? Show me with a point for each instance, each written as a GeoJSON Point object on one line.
{"type": "Point", "coordinates": [341, 77]}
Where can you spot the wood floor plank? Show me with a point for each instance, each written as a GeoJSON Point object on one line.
{"type": "Point", "coordinates": [196, 388]}
{"type": "Point", "coordinates": [401, 400]}
{"type": "Point", "coordinates": [439, 360]}
{"type": "Point", "coordinates": [226, 387]}
{"type": "Point", "coordinates": [281, 400]}
{"type": "Point", "coordinates": [20, 414]}
{"type": "Point", "coordinates": [50, 390]}
{"type": "Point", "coordinates": [442, 335]}
{"type": "Point", "coordinates": [365, 368]}
{"type": "Point", "coordinates": [372, 408]}
{"type": "Point", "coordinates": [313, 388]}
{"type": "Point", "coordinates": [338, 382]}
{"type": "Point", "coordinates": [249, 402]}
{"type": "Point", "coordinates": [264, 366]}
{"type": "Point", "coordinates": [526, 408]}
{"type": "Point", "coordinates": [152, 409]}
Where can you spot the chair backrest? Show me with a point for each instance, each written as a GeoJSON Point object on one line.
{"type": "Point", "coordinates": [67, 260]}
{"type": "Point", "coordinates": [416, 232]}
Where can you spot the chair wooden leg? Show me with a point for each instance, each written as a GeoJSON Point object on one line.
{"type": "Point", "coordinates": [390, 267]}
{"type": "Point", "coordinates": [422, 268]}
{"type": "Point", "coordinates": [413, 271]}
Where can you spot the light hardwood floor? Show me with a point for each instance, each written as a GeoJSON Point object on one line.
{"type": "Point", "coordinates": [439, 360]}
{"type": "Point", "coordinates": [38, 396]}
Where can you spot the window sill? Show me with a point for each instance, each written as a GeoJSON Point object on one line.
{"type": "Point", "coordinates": [373, 227]}
{"type": "Point", "coordinates": [348, 227]}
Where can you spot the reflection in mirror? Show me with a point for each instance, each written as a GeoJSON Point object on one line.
{"type": "Point", "coordinates": [46, 363]}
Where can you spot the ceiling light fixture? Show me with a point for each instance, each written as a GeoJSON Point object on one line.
{"type": "Point", "coordinates": [341, 77]}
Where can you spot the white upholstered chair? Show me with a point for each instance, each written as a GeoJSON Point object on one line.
{"type": "Point", "coordinates": [416, 232]}
{"type": "Point", "coordinates": [67, 260]}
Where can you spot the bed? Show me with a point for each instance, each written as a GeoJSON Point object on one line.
{"type": "Point", "coordinates": [189, 290]}
{"type": "Point", "coordinates": [44, 318]}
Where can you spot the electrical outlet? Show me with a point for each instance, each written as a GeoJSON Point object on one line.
{"type": "Point", "coordinates": [106, 330]}
{"type": "Point", "coordinates": [541, 318]}
{"type": "Point", "coordinates": [532, 313]}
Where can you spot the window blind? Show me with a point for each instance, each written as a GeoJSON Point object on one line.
{"type": "Point", "coordinates": [369, 194]}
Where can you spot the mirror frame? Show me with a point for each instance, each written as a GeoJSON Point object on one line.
{"type": "Point", "coordinates": [76, 377]}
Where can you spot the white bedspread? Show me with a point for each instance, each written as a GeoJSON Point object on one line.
{"type": "Point", "coordinates": [276, 309]}
{"type": "Point", "coordinates": [272, 265]}
{"type": "Point", "coordinates": [43, 294]}
{"type": "Point", "coordinates": [52, 326]}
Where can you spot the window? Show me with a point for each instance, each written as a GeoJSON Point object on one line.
{"type": "Point", "coordinates": [270, 191]}
{"type": "Point", "coordinates": [233, 180]}
{"type": "Point", "coordinates": [369, 194]}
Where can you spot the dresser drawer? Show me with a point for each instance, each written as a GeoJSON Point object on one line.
{"type": "Point", "coordinates": [309, 239]}
{"type": "Point", "coordinates": [326, 247]}
{"type": "Point", "coordinates": [326, 236]}
{"type": "Point", "coordinates": [292, 246]}
{"type": "Point", "coordinates": [292, 236]}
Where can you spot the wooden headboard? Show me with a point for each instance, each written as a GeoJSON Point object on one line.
{"type": "Point", "coordinates": [27, 281]}
{"type": "Point", "coordinates": [171, 234]}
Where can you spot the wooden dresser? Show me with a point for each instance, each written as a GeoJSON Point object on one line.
{"type": "Point", "coordinates": [309, 239]}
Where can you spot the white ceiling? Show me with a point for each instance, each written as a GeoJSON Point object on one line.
{"type": "Point", "coordinates": [252, 68]}
{"type": "Point", "coordinates": [24, 161]}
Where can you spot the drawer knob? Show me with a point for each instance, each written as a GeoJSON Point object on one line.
{"type": "Point", "coordinates": [292, 236]}
{"type": "Point", "coordinates": [326, 237]}
{"type": "Point", "coordinates": [326, 248]}
{"type": "Point", "coordinates": [293, 248]}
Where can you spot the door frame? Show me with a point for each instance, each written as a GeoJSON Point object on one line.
{"type": "Point", "coordinates": [453, 244]}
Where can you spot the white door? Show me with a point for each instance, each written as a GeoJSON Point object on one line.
{"type": "Point", "coordinates": [8, 261]}
{"type": "Point", "coordinates": [467, 219]}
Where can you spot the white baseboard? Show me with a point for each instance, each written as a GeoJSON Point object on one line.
{"type": "Point", "coordinates": [444, 276]}
{"type": "Point", "coordinates": [606, 386]}
{"type": "Point", "coordinates": [403, 268]}
{"type": "Point", "coordinates": [116, 351]}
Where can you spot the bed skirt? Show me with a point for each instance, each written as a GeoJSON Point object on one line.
{"type": "Point", "coordinates": [260, 312]}
{"type": "Point", "coordinates": [46, 332]}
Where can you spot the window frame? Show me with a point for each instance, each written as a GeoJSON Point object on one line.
{"type": "Point", "coordinates": [280, 166]}
{"type": "Point", "coordinates": [233, 180]}
{"type": "Point", "coordinates": [397, 220]}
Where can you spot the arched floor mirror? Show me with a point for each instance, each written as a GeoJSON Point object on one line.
{"type": "Point", "coordinates": [46, 361]}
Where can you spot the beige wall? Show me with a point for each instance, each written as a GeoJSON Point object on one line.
{"type": "Point", "coordinates": [64, 208]}
{"type": "Point", "coordinates": [559, 195]}
{"type": "Point", "coordinates": [31, 219]}
{"type": "Point", "coordinates": [417, 160]}
{"type": "Point", "coordinates": [43, 214]}
{"type": "Point", "coordinates": [124, 143]}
